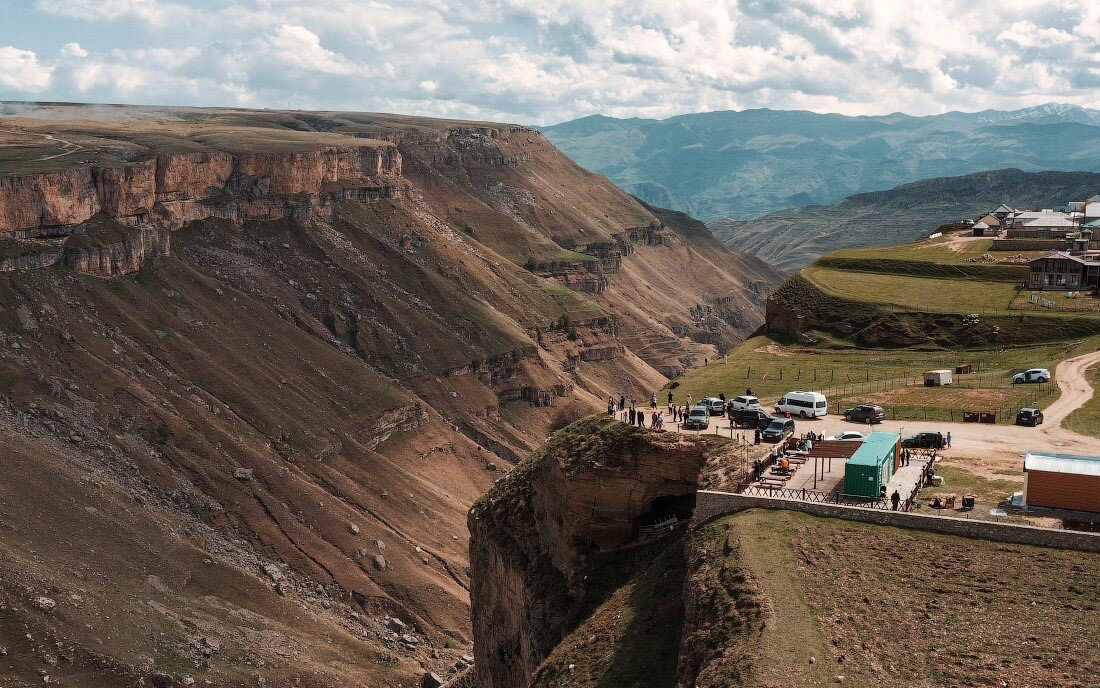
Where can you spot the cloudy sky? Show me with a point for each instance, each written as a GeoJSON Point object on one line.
{"type": "Point", "coordinates": [539, 61]}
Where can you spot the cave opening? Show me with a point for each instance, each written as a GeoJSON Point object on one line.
{"type": "Point", "coordinates": [664, 514]}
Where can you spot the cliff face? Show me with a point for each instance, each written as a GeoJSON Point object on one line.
{"type": "Point", "coordinates": [534, 536]}
{"type": "Point", "coordinates": [172, 189]}
{"type": "Point", "coordinates": [305, 344]}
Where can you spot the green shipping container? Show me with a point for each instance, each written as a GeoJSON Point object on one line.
{"type": "Point", "coordinates": [872, 465]}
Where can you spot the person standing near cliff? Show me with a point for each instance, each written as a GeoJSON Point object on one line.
{"type": "Point", "coordinates": [633, 416]}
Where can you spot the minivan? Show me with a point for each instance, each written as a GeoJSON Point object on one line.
{"type": "Point", "coordinates": [777, 429]}
{"type": "Point", "coordinates": [803, 404]}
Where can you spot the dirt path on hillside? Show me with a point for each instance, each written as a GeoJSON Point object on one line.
{"type": "Point", "coordinates": [1076, 390]}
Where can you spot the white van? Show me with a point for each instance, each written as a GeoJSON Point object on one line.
{"type": "Point", "coordinates": [803, 404]}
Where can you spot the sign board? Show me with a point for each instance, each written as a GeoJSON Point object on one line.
{"type": "Point", "coordinates": [1034, 298]}
{"type": "Point", "coordinates": [979, 417]}
{"type": "Point", "coordinates": [935, 235]}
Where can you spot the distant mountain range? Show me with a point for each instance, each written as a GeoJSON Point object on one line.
{"type": "Point", "coordinates": [748, 163]}
{"type": "Point", "coordinates": [793, 238]}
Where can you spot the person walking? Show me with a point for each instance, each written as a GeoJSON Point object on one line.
{"type": "Point", "coordinates": [688, 406]}
{"type": "Point", "coordinates": [633, 416]}
{"type": "Point", "coordinates": [894, 499]}
{"type": "Point", "coordinates": [610, 406]}
{"type": "Point", "coordinates": [670, 397]}
{"type": "Point", "coordinates": [948, 439]}
{"type": "Point", "coordinates": [653, 402]}
{"type": "Point", "coordinates": [622, 402]}
{"type": "Point", "coordinates": [756, 437]}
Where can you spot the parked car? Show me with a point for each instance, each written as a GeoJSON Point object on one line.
{"type": "Point", "coordinates": [847, 436]}
{"type": "Point", "coordinates": [803, 404]}
{"type": "Point", "coordinates": [1033, 375]}
{"type": "Point", "coordinates": [698, 418]}
{"type": "Point", "coordinates": [924, 440]}
{"type": "Point", "coordinates": [865, 413]}
{"type": "Point", "coordinates": [714, 405]}
{"type": "Point", "coordinates": [777, 429]}
{"type": "Point", "coordinates": [1029, 416]}
{"type": "Point", "coordinates": [743, 402]}
{"type": "Point", "coordinates": [750, 418]}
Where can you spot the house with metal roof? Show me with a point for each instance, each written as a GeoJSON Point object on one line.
{"type": "Point", "coordinates": [1042, 224]}
{"type": "Point", "coordinates": [1062, 481]}
{"type": "Point", "coordinates": [1061, 270]}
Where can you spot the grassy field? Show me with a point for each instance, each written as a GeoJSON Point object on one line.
{"type": "Point", "coordinates": [891, 378]}
{"type": "Point", "coordinates": [939, 275]}
{"type": "Point", "coordinates": [888, 607]}
{"type": "Point", "coordinates": [915, 293]}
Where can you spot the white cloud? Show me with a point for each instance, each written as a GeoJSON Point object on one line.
{"type": "Point", "coordinates": [542, 61]}
{"type": "Point", "coordinates": [300, 47]}
{"type": "Point", "coordinates": [73, 50]}
{"type": "Point", "coordinates": [150, 11]}
{"type": "Point", "coordinates": [20, 70]}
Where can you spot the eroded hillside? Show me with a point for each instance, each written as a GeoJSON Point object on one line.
{"type": "Point", "coordinates": [255, 368]}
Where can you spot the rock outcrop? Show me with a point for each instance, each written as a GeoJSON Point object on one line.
{"type": "Point", "coordinates": [170, 189]}
{"type": "Point", "coordinates": [592, 489]}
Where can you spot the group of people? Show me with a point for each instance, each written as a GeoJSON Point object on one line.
{"type": "Point", "coordinates": [635, 416]}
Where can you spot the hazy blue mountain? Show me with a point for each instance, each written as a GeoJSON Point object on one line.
{"type": "Point", "coordinates": [744, 164]}
{"type": "Point", "coordinates": [795, 237]}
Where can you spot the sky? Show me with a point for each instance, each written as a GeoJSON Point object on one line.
{"type": "Point", "coordinates": [542, 62]}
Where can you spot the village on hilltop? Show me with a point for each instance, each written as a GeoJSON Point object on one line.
{"type": "Point", "coordinates": [1068, 232]}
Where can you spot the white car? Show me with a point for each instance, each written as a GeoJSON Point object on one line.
{"type": "Point", "coordinates": [715, 406]}
{"type": "Point", "coordinates": [1033, 375]}
{"type": "Point", "coordinates": [744, 402]}
{"type": "Point", "coordinates": [847, 436]}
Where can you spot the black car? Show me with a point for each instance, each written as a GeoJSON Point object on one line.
{"type": "Point", "coordinates": [777, 429]}
{"type": "Point", "coordinates": [1029, 416]}
{"type": "Point", "coordinates": [924, 440]}
{"type": "Point", "coordinates": [865, 413]}
{"type": "Point", "coordinates": [750, 418]}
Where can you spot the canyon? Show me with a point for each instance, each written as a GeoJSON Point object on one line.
{"type": "Point", "coordinates": [255, 367]}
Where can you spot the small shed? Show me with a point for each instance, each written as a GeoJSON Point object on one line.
{"type": "Point", "coordinates": [964, 369]}
{"type": "Point", "coordinates": [872, 465]}
{"type": "Point", "coordinates": [1062, 481]}
{"type": "Point", "coordinates": [937, 378]}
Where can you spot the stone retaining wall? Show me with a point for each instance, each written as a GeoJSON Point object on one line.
{"type": "Point", "coordinates": [713, 504]}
